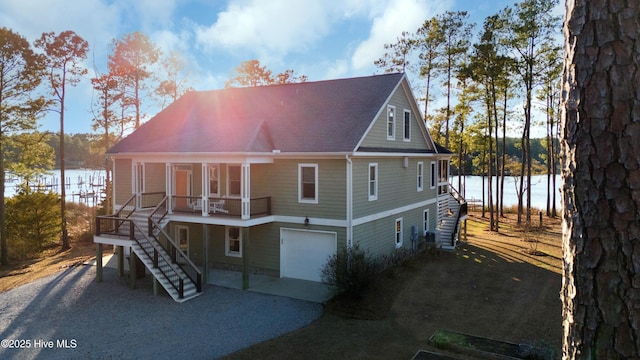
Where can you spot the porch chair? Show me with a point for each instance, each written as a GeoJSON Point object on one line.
{"type": "Point", "coordinates": [218, 206]}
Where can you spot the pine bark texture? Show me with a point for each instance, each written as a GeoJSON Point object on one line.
{"type": "Point", "coordinates": [601, 180]}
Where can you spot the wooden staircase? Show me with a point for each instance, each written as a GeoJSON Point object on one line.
{"type": "Point", "coordinates": [159, 262]}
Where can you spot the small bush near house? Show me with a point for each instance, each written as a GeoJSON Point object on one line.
{"type": "Point", "coordinates": [397, 258]}
{"type": "Point", "coordinates": [350, 271]}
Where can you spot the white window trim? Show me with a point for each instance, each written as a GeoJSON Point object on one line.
{"type": "Point", "coordinates": [390, 109]}
{"type": "Point", "coordinates": [227, 251]}
{"type": "Point", "coordinates": [375, 181]}
{"type": "Point", "coordinates": [405, 124]}
{"type": "Point", "coordinates": [398, 233]}
{"type": "Point", "coordinates": [420, 176]}
{"type": "Point", "coordinates": [425, 221]}
{"type": "Point", "coordinates": [300, 192]}
{"type": "Point", "coordinates": [433, 175]}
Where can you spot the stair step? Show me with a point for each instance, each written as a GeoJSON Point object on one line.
{"type": "Point", "coordinates": [145, 248]}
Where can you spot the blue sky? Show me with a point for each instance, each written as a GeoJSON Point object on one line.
{"type": "Point", "coordinates": [322, 39]}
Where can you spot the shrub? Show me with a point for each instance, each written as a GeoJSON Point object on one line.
{"type": "Point", "coordinates": [397, 258]}
{"type": "Point", "coordinates": [33, 223]}
{"type": "Point", "coordinates": [350, 271]}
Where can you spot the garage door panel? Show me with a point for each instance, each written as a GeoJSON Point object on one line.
{"type": "Point", "coordinates": [304, 253]}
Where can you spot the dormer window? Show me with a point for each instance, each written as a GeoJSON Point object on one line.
{"type": "Point", "coordinates": [391, 122]}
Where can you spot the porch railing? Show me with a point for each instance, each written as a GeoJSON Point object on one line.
{"type": "Point", "coordinates": [221, 206]}
{"type": "Point", "coordinates": [118, 224]}
{"type": "Point", "coordinates": [151, 199]}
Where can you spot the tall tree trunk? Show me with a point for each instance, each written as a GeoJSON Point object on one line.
{"type": "Point", "coordinates": [63, 182]}
{"type": "Point", "coordinates": [426, 98]}
{"type": "Point", "coordinates": [446, 131]}
{"type": "Point", "coordinates": [4, 254]}
{"type": "Point", "coordinates": [549, 100]}
{"type": "Point", "coordinates": [601, 180]}
{"type": "Point", "coordinates": [494, 99]}
{"type": "Point", "coordinates": [490, 162]}
{"type": "Point", "coordinates": [504, 150]}
{"type": "Point", "coordinates": [527, 135]}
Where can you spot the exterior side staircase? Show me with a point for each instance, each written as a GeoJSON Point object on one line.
{"type": "Point", "coordinates": [451, 209]}
{"type": "Point", "coordinates": [149, 250]}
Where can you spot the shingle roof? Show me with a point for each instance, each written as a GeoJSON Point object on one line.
{"type": "Point", "coordinates": [323, 116]}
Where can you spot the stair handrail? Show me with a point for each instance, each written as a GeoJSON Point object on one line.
{"type": "Point", "coordinates": [155, 218]}
{"type": "Point", "coordinates": [160, 209]}
{"type": "Point", "coordinates": [456, 194]}
{"type": "Point", "coordinates": [175, 250]}
{"type": "Point", "coordinates": [116, 215]}
{"type": "Point", "coordinates": [127, 203]}
{"type": "Point", "coordinates": [463, 209]}
{"type": "Point", "coordinates": [180, 287]}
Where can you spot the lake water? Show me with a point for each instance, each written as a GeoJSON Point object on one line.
{"type": "Point", "coordinates": [87, 181]}
{"type": "Point", "coordinates": [474, 190]}
{"type": "Point", "coordinates": [83, 185]}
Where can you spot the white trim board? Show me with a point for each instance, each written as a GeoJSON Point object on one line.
{"type": "Point", "coordinates": [392, 212]}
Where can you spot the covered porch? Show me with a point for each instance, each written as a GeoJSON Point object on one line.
{"type": "Point", "coordinates": [197, 188]}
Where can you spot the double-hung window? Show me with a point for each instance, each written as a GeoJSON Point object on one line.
{"type": "Point", "coordinates": [308, 183]}
{"type": "Point", "coordinates": [425, 221]}
{"type": "Point", "coordinates": [373, 182]}
{"type": "Point", "coordinates": [406, 126]}
{"type": "Point", "coordinates": [398, 231]}
{"type": "Point", "coordinates": [233, 241]}
{"type": "Point", "coordinates": [391, 122]}
{"type": "Point", "coordinates": [434, 174]}
{"type": "Point", "coordinates": [420, 176]}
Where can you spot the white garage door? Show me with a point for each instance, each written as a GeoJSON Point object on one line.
{"type": "Point", "coordinates": [303, 253]}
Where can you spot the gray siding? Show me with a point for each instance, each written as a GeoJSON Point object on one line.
{"type": "Point", "coordinates": [378, 236]}
{"type": "Point", "coordinates": [283, 186]}
{"type": "Point", "coordinates": [264, 246]}
{"type": "Point", "coordinates": [377, 136]}
{"type": "Point", "coordinates": [397, 185]}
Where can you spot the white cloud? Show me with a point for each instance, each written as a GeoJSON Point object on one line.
{"type": "Point", "coordinates": [91, 19]}
{"type": "Point", "coordinates": [267, 28]}
{"type": "Point", "coordinates": [152, 13]}
{"type": "Point", "coordinates": [388, 23]}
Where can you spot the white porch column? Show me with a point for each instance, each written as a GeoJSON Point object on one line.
{"type": "Point", "coordinates": [245, 191]}
{"type": "Point", "coordinates": [169, 186]}
{"type": "Point", "coordinates": [205, 189]}
{"type": "Point", "coordinates": [138, 182]}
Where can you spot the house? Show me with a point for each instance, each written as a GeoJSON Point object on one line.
{"type": "Point", "coordinates": [274, 179]}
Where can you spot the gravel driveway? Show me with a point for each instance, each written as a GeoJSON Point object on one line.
{"type": "Point", "coordinates": [70, 316]}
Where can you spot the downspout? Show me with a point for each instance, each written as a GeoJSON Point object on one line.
{"type": "Point", "coordinates": [349, 241]}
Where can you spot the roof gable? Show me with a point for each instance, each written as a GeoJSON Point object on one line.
{"type": "Point", "coordinates": [402, 101]}
{"type": "Point", "coordinates": [323, 116]}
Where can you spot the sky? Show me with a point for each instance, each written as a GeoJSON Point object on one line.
{"type": "Point", "coordinates": [323, 39]}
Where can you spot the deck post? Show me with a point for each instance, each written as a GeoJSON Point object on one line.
{"type": "Point", "coordinates": [155, 286]}
{"type": "Point", "coordinates": [205, 250]}
{"type": "Point", "coordinates": [120, 251]}
{"type": "Point", "coordinates": [99, 263]}
{"type": "Point", "coordinates": [245, 258]}
{"type": "Point", "coordinates": [132, 269]}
